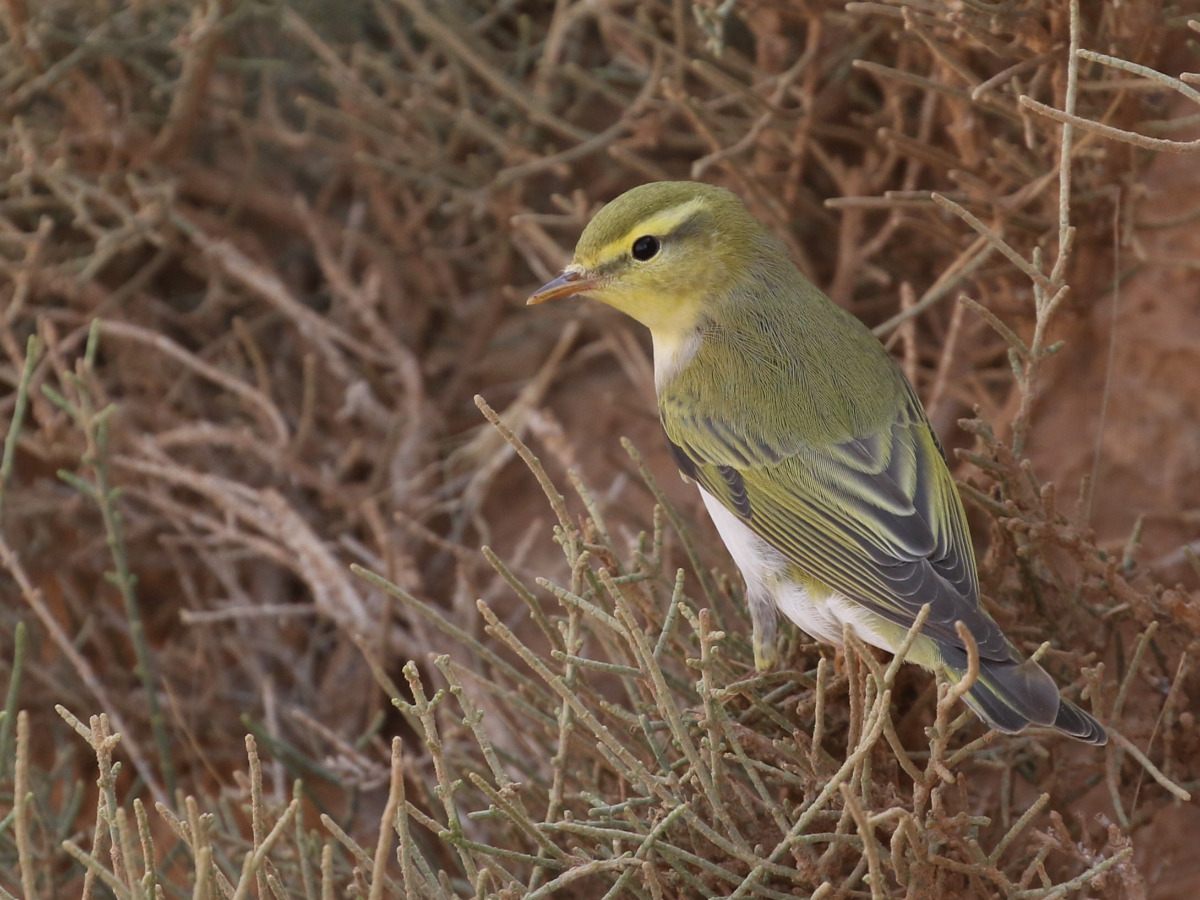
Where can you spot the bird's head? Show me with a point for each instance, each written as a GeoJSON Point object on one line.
{"type": "Point", "coordinates": [662, 253]}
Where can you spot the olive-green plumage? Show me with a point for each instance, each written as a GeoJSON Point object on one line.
{"type": "Point", "coordinates": [810, 448]}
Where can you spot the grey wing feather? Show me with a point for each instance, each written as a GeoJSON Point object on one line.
{"type": "Point", "coordinates": [876, 518]}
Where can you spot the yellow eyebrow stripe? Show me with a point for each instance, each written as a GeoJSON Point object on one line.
{"type": "Point", "coordinates": [660, 224]}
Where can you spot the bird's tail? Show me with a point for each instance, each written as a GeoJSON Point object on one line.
{"type": "Point", "coordinates": [1012, 694]}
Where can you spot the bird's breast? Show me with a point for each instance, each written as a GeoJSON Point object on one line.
{"type": "Point", "coordinates": [672, 352]}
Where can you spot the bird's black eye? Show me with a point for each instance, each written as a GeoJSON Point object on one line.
{"type": "Point", "coordinates": [645, 247]}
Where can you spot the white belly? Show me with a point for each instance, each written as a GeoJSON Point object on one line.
{"type": "Point", "coordinates": [765, 571]}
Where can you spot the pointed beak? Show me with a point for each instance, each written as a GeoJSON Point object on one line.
{"type": "Point", "coordinates": [572, 281]}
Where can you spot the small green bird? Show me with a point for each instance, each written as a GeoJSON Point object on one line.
{"type": "Point", "coordinates": [810, 448]}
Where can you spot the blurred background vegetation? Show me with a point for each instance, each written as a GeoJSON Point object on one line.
{"type": "Point", "coordinates": [258, 257]}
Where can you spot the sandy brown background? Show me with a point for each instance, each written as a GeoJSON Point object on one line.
{"type": "Point", "coordinates": [300, 237]}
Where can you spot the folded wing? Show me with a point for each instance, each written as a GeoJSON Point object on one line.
{"type": "Point", "coordinates": [876, 517]}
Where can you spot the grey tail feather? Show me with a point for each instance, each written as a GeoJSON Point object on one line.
{"type": "Point", "coordinates": [1078, 724]}
{"type": "Point", "coordinates": [1011, 695]}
